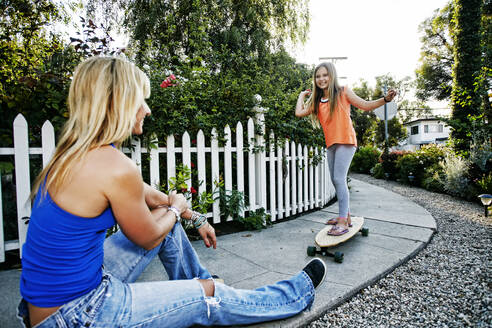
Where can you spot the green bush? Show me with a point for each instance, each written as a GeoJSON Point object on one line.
{"type": "Point", "coordinates": [377, 171]}
{"type": "Point", "coordinates": [455, 176]}
{"type": "Point", "coordinates": [433, 177]}
{"type": "Point", "coordinates": [485, 184]}
{"type": "Point", "coordinates": [256, 220]}
{"type": "Point", "coordinates": [416, 163]}
{"type": "Point", "coordinates": [388, 162]}
{"type": "Point", "coordinates": [364, 159]}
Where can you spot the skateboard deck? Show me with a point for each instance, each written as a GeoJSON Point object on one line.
{"type": "Point", "coordinates": [323, 239]}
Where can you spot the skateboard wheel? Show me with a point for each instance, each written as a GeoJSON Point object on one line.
{"type": "Point", "coordinates": [338, 256]}
{"type": "Point", "coordinates": [311, 250]}
{"type": "Point", "coordinates": [365, 232]}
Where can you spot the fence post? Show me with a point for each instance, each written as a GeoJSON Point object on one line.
{"type": "Point", "coordinates": [287, 180]}
{"type": "Point", "coordinates": [311, 178]}
{"type": "Point", "coordinates": [228, 163]}
{"type": "Point", "coordinates": [186, 152]}
{"type": "Point", "coordinates": [260, 156]}
{"type": "Point", "coordinates": [316, 180]}
{"type": "Point", "coordinates": [47, 141]}
{"type": "Point", "coordinates": [214, 145]}
{"type": "Point", "coordinates": [306, 178]}
{"type": "Point", "coordinates": [293, 175]}
{"type": "Point", "coordinates": [300, 185]}
{"type": "Point", "coordinates": [251, 166]}
{"type": "Point", "coordinates": [280, 183]}
{"type": "Point", "coordinates": [201, 163]}
{"type": "Point", "coordinates": [273, 159]}
{"type": "Point", "coordinates": [22, 176]}
{"type": "Point", "coordinates": [240, 160]}
{"type": "Point", "coordinates": [171, 159]}
{"type": "Point", "coordinates": [155, 178]}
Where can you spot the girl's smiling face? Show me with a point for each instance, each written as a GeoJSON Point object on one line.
{"type": "Point", "coordinates": [322, 78]}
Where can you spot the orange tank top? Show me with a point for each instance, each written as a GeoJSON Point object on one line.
{"type": "Point", "coordinates": [338, 128]}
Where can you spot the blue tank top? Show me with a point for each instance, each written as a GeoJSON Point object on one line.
{"type": "Point", "coordinates": [63, 254]}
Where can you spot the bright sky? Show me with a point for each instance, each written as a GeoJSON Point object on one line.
{"type": "Point", "coordinates": [377, 36]}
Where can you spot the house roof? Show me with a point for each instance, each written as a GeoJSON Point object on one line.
{"type": "Point", "coordinates": [427, 119]}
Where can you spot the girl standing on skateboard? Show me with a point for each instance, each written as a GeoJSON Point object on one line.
{"type": "Point", "coordinates": [329, 107]}
{"type": "Point", "coordinates": [73, 276]}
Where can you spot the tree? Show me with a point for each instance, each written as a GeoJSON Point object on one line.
{"type": "Point", "coordinates": [465, 95]}
{"type": "Point", "coordinates": [32, 74]}
{"type": "Point", "coordinates": [223, 53]}
{"type": "Point", "coordinates": [36, 64]}
{"type": "Point", "coordinates": [396, 133]}
{"type": "Point", "coordinates": [433, 76]}
{"type": "Point", "coordinates": [364, 122]}
{"type": "Point", "coordinates": [369, 130]}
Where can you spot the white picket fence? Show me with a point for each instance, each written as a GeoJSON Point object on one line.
{"type": "Point", "coordinates": [290, 185]}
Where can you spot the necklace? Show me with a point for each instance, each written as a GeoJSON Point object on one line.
{"type": "Point", "coordinates": [324, 100]}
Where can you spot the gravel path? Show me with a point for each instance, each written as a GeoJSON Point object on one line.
{"type": "Point", "coordinates": [448, 284]}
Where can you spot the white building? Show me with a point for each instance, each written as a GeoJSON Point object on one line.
{"type": "Point", "coordinates": [424, 131]}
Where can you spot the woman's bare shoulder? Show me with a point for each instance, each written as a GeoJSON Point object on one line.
{"type": "Point", "coordinates": [110, 161]}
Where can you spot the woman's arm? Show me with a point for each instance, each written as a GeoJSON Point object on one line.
{"type": "Point", "coordinates": [155, 198]}
{"type": "Point", "coordinates": [300, 110]}
{"type": "Point", "coordinates": [127, 196]}
{"type": "Point", "coordinates": [358, 102]}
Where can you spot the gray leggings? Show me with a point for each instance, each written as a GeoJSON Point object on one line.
{"type": "Point", "coordinates": [339, 159]}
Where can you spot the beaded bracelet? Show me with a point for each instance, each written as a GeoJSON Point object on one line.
{"type": "Point", "coordinates": [195, 216]}
{"type": "Point", "coordinates": [200, 222]}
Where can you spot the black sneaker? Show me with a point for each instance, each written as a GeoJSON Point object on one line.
{"type": "Point", "coordinates": [316, 270]}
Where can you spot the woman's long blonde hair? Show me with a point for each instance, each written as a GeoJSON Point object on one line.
{"type": "Point", "coordinates": [104, 97]}
{"type": "Point", "coordinates": [334, 91]}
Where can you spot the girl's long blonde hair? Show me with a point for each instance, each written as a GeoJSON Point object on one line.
{"type": "Point", "coordinates": [104, 97]}
{"type": "Point", "coordinates": [334, 91]}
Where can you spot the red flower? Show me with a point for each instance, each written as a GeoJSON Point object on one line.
{"type": "Point", "coordinates": [193, 190]}
{"type": "Point", "coordinates": [193, 141]}
{"type": "Point", "coordinates": [168, 81]}
{"type": "Point", "coordinates": [193, 165]}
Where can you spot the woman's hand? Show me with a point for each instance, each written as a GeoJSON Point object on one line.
{"type": "Point", "coordinates": [207, 232]}
{"type": "Point", "coordinates": [178, 201]}
{"type": "Point", "coordinates": [390, 95]}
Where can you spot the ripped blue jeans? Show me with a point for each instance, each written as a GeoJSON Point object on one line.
{"type": "Point", "coordinates": [179, 302]}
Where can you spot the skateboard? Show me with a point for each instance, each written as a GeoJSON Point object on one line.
{"type": "Point", "coordinates": [324, 241]}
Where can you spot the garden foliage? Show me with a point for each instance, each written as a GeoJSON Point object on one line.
{"type": "Point", "coordinates": [437, 168]}
{"type": "Point", "coordinates": [364, 159]}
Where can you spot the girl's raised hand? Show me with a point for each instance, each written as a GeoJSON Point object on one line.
{"type": "Point", "coordinates": [390, 95]}
{"type": "Point", "coordinates": [305, 93]}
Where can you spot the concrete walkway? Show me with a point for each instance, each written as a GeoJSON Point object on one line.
{"type": "Point", "coordinates": [398, 229]}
